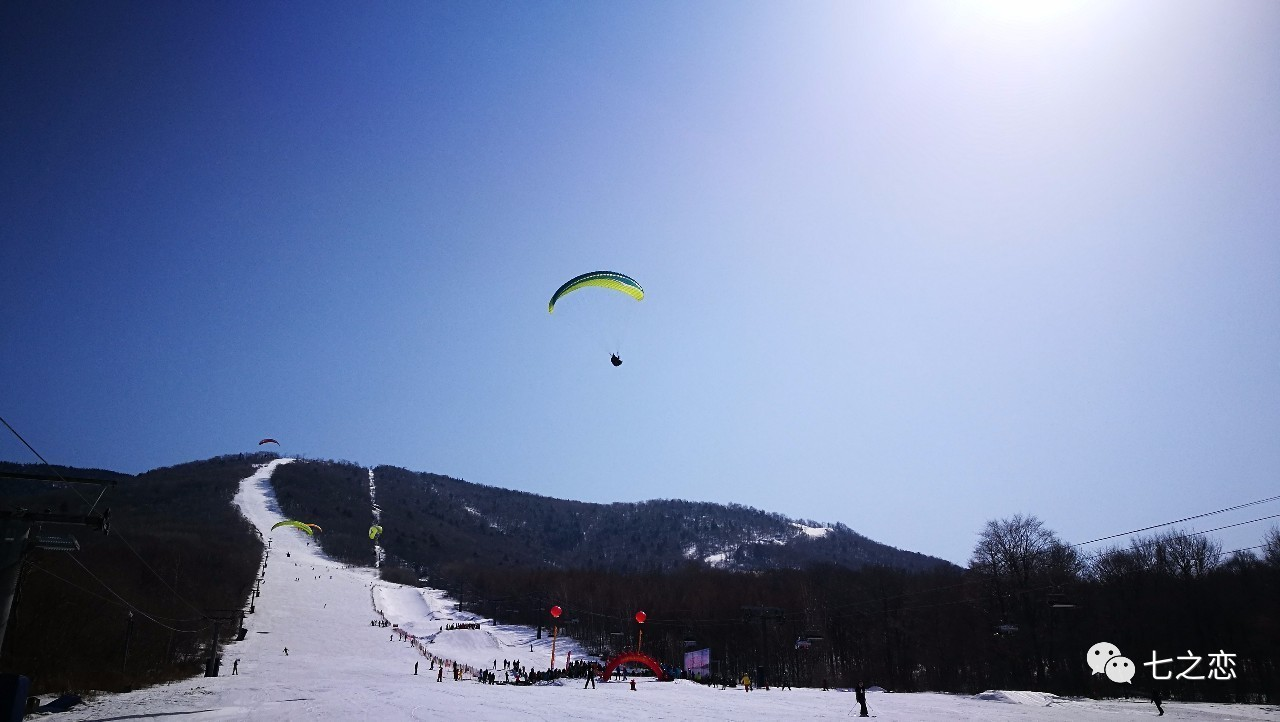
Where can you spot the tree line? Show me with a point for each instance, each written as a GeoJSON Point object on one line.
{"type": "Point", "coordinates": [1023, 615]}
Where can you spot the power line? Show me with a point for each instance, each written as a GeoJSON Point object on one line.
{"type": "Point", "coordinates": [51, 466]}
{"type": "Point", "coordinates": [119, 601]}
{"type": "Point", "coordinates": [1179, 521]}
{"type": "Point", "coordinates": [91, 508]}
{"type": "Point", "coordinates": [124, 601]}
{"type": "Point", "coordinates": [157, 575]}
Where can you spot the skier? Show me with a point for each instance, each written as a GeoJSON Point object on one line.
{"type": "Point", "coordinates": [860, 694]}
{"type": "Point", "coordinates": [591, 677]}
{"type": "Point", "coordinates": [1155, 697]}
{"type": "Point", "coordinates": [746, 682]}
{"type": "Point", "coordinates": [286, 651]}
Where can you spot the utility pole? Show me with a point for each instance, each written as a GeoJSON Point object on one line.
{"type": "Point", "coordinates": [128, 633]}
{"type": "Point", "coordinates": [211, 664]}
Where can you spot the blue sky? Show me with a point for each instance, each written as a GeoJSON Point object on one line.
{"type": "Point", "coordinates": [909, 266]}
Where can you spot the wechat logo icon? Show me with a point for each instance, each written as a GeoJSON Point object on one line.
{"type": "Point", "coordinates": [1105, 658]}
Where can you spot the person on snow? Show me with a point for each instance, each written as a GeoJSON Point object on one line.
{"type": "Point", "coordinates": [860, 694]}
{"type": "Point", "coordinates": [235, 666]}
{"type": "Point", "coordinates": [591, 678]}
{"type": "Point", "coordinates": [746, 682]}
{"type": "Point", "coordinates": [1155, 697]}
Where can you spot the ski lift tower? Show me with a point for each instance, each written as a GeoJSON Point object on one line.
{"type": "Point", "coordinates": [22, 529]}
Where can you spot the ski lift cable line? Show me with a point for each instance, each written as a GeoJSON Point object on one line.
{"type": "Point", "coordinates": [1095, 554]}
{"type": "Point", "coordinates": [124, 605]}
{"type": "Point", "coordinates": [109, 600]}
{"type": "Point", "coordinates": [1099, 553]}
{"type": "Point", "coordinates": [1246, 549]}
{"type": "Point", "coordinates": [156, 574]}
{"type": "Point", "coordinates": [91, 508]}
{"type": "Point", "coordinates": [1055, 586]}
{"type": "Point", "coordinates": [1102, 552]}
{"type": "Point", "coordinates": [51, 466]}
{"type": "Point", "coordinates": [1179, 521]}
{"type": "Point", "coordinates": [124, 601]}
{"type": "Point", "coordinates": [1228, 526]}
{"type": "Point", "coordinates": [1084, 557]}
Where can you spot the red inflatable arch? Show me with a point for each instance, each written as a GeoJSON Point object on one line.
{"type": "Point", "coordinates": [639, 657]}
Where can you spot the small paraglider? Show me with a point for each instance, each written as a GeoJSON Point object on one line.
{"type": "Point", "coordinates": [268, 441]}
{"type": "Point", "coordinates": [316, 527]}
{"type": "Point", "coordinates": [297, 524]}
{"type": "Point", "coordinates": [608, 280]}
{"type": "Point", "coordinates": [601, 279]}
{"type": "Point", "coordinates": [375, 531]}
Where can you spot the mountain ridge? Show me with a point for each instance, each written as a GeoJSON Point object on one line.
{"type": "Point", "coordinates": [431, 521]}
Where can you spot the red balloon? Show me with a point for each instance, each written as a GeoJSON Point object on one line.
{"type": "Point", "coordinates": [640, 617]}
{"type": "Point", "coordinates": [555, 611]}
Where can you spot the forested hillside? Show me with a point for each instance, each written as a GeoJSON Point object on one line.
{"type": "Point", "coordinates": [436, 522]}
{"type": "Point", "coordinates": [135, 606]}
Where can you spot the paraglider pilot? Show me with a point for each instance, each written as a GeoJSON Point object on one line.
{"type": "Point", "coordinates": [615, 359]}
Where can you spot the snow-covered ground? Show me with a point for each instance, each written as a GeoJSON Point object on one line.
{"type": "Point", "coordinates": [340, 668]}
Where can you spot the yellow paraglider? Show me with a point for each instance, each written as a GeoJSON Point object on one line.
{"type": "Point", "coordinates": [375, 531]}
{"type": "Point", "coordinates": [300, 525]}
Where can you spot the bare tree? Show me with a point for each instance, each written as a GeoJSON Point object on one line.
{"type": "Point", "coordinates": [1021, 561]}
{"type": "Point", "coordinates": [1176, 553]}
{"type": "Point", "coordinates": [1021, 552]}
{"type": "Point", "coordinates": [1192, 556]}
{"type": "Point", "coordinates": [1271, 546]}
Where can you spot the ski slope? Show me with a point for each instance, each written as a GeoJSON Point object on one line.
{"type": "Point", "coordinates": [340, 668]}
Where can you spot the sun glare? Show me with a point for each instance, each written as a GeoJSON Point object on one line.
{"type": "Point", "coordinates": [1019, 13]}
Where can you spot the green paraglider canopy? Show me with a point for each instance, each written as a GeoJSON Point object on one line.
{"type": "Point", "coordinates": [375, 531]}
{"type": "Point", "coordinates": [298, 524]}
{"type": "Point", "coordinates": [602, 279]}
